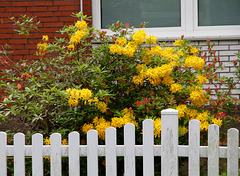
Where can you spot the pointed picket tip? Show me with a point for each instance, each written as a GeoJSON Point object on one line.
{"type": "Point", "coordinates": [169, 111]}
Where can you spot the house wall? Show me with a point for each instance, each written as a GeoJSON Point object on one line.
{"type": "Point", "coordinates": [54, 14]}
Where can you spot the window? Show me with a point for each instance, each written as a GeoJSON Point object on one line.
{"type": "Point", "coordinates": [169, 19]}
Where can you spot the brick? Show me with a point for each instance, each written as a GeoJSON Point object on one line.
{"type": "Point", "coordinates": [18, 14]}
{"type": "Point", "coordinates": [21, 52]}
{"type": "Point", "coordinates": [234, 47]}
{"type": "Point", "coordinates": [52, 8]}
{"type": "Point", "coordinates": [33, 41]}
{"type": "Point", "coordinates": [233, 58]}
{"type": "Point", "coordinates": [22, 36]}
{"type": "Point", "coordinates": [41, 14]}
{"type": "Point", "coordinates": [48, 19]}
{"type": "Point", "coordinates": [63, 3]}
{"type": "Point", "coordinates": [21, 3]}
{"type": "Point", "coordinates": [224, 58]}
{"type": "Point", "coordinates": [6, 31]}
{"type": "Point", "coordinates": [68, 8]}
{"type": "Point", "coordinates": [220, 47]}
{"type": "Point", "coordinates": [16, 9]}
{"type": "Point", "coordinates": [68, 19]}
{"type": "Point", "coordinates": [87, 7]}
{"type": "Point", "coordinates": [3, 41]}
{"type": "Point", "coordinates": [228, 53]}
{"type": "Point", "coordinates": [2, 9]}
{"type": "Point", "coordinates": [17, 41]}
{"type": "Point", "coordinates": [43, 3]}
{"type": "Point", "coordinates": [86, 2]}
{"type": "Point", "coordinates": [5, 36]}
{"type": "Point", "coordinates": [2, 26]}
{"type": "Point", "coordinates": [47, 30]}
{"type": "Point", "coordinates": [57, 24]}
{"type": "Point", "coordinates": [5, 4]}
{"type": "Point", "coordinates": [62, 13]}
{"type": "Point", "coordinates": [31, 46]}
{"type": "Point", "coordinates": [36, 9]}
{"type": "Point", "coordinates": [5, 15]}
{"type": "Point", "coordinates": [228, 42]}
{"type": "Point", "coordinates": [16, 47]}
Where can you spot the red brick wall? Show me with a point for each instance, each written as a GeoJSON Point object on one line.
{"type": "Point", "coordinates": [53, 15]}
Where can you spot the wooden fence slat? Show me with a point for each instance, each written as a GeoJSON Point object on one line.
{"type": "Point", "coordinates": [92, 153]}
{"type": "Point", "coordinates": [129, 146]}
{"type": "Point", "coordinates": [194, 147]}
{"type": "Point", "coordinates": [19, 154]}
{"type": "Point", "coordinates": [148, 152]}
{"type": "Point", "coordinates": [37, 154]}
{"type": "Point", "coordinates": [213, 150]}
{"type": "Point", "coordinates": [3, 154]}
{"type": "Point", "coordinates": [74, 154]}
{"type": "Point", "coordinates": [232, 152]}
{"type": "Point", "coordinates": [111, 152]}
{"type": "Point", "coordinates": [55, 154]}
{"type": "Point", "coordinates": [169, 142]}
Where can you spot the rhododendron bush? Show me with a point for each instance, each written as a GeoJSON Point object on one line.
{"type": "Point", "coordinates": [89, 79]}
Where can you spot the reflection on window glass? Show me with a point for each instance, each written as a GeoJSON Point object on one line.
{"type": "Point", "coordinates": [158, 13]}
{"type": "Point", "coordinates": [218, 12]}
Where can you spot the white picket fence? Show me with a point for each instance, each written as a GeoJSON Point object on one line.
{"type": "Point", "coordinates": [169, 150]}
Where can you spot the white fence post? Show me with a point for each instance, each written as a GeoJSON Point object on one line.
{"type": "Point", "coordinates": [56, 157]}
{"type": "Point", "coordinates": [232, 151]}
{"type": "Point", "coordinates": [111, 152]}
{"type": "Point", "coordinates": [129, 146]}
{"type": "Point", "coordinates": [74, 154]}
{"type": "Point", "coordinates": [3, 154]}
{"type": "Point", "coordinates": [213, 150]}
{"type": "Point", "coordinates": [19, 154]}
{"type": "Point", "coordinates": [148, 152]}
{"type": "Point", "coordinates": [37, 154]}
{"type": "Point", "coordinates": [194, 144]}
{"type": "Point", "coordinates": [169, 142]}
{"type": "Point", "coordinates": [92, 153]}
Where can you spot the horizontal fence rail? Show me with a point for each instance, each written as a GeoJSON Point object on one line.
{"type": "Point", "coordinates": [169, 150]}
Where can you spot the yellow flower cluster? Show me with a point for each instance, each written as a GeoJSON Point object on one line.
{"type": "Point", "coordinates": [71, 47]}
{"type": "Point", "coordinates": [121, 41]}
{"type": "Point", "coordinates": [151, 40]}
{"type": "Point", "coordinates": [77, 37]}
{"type": "Point", "coordinates": [194, 50]}
{"type": "Point", "coordinates": [176, 88]}
{"type": "Point", "coordinates": [167, 80]}
{"type": "Point", "coordinates": [178, 42]}
{"type": "Point", "coordinates": [75, 95]}
{"type": "Point", "coordinates": [182, 130]}
{"type": "Point", "coordinates": [42, 47]}
{"type": "Point", "coordinates": [195, 62]}
{"type": "Point", "coordinates": [81, 25]}
{"type": "Point", "coordinates": [217, 121]}
{"type": "Point", "coordinates": [102, 106]}
{"type": "Point", "coordinates": [139, 36]}
{"type": "Point", "coordinates": [198, 97]}
{"type": "Point", "coordinates": [168, 53]}
{"type": "Point", "coordinates": [201, 79]}
{"type": "Point", "coordinates": [181, 110]}
{"type": "Point", "coordinates": [101, 124]}
{"type": "Point", "coordinates": [203, 118]}
{"type": "Point", "coordinates": [157, 127]}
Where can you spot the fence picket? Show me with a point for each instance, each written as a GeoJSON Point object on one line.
{"type": "Point", "coordinates": [111, 152]}
{"type": "Point", "coordinates": [3, 154]}
{"type": "Point", "coordinates": [232, 152]}
{"type": "Point", "coordinates": [19, 154]}
{"type": "Point", "coordinates": [194, 144]}
{"type": "Point", "coordinates": [37, 154]}
{"type": "Point", "coordinates": [55, 152]}
{"type": "Point", "coordinates": [92, 153]}
{"type": "Point", "coordinates": [169, 142]}
{"type": "Point", "coordinates": [148, 153]}
{"type": "Point", "coordinates": [74, 154]}
{"type": "Point", "coordinates": [213, 150]}
{"type": "Point", "coordinates": [129, 146]}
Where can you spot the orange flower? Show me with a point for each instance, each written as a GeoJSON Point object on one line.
{"type": "Point", "coordinates": [19, 86]}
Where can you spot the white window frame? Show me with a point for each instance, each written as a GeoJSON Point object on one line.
{"type": "Point", "coordinates": [189, 25]}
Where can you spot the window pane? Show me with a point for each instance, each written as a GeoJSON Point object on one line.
{"type": "Point", "coordinates": [218, 12]}
{"type": "Point", "coordinates": [158, 13]}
